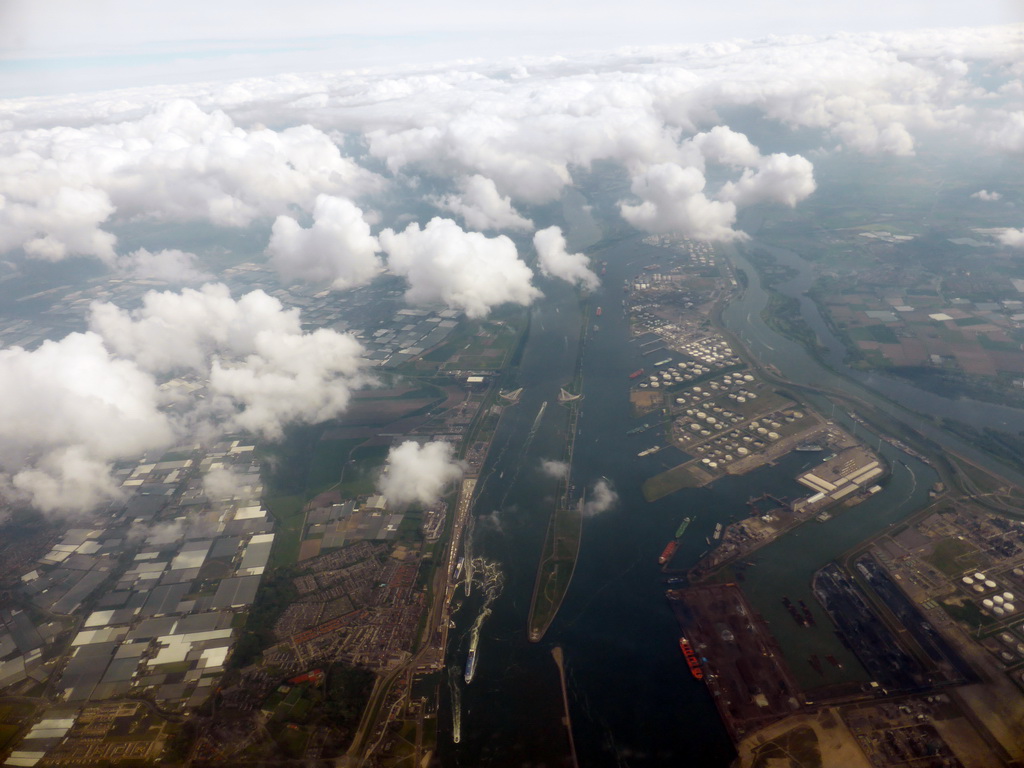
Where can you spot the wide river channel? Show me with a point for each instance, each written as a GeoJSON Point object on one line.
{"type": "Point", "coordinates": [632, 701]}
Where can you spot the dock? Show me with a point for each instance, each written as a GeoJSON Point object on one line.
{"type": "Point", "coordinates": [751, 684]}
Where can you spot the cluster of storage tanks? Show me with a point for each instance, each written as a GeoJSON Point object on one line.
{"type": "Point", "coordinates": [1002, 604]}
{"type": "Point", "coordinates": [684, 372]}
{"type": "Point", "coordinates": [737, 443]}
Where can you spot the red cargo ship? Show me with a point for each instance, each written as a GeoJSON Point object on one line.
{"type": "Point", "coordinates": [691, 659]}
{"type": "Point", "coordinates": [667, 552]}
{"type": "Point", "coordinates": [637, 374]}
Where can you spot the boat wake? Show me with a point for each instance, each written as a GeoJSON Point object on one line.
{"type": "Point", "coordinates": [490, 580]}
{"type": "Point", "coordinates": [454, 673]}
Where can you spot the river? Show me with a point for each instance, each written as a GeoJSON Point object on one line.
{"type": "Point", "coordinates": [632, 700]}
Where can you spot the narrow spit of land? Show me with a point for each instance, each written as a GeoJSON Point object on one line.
{"type": "Point", "coordinates": [565, 528]}
{"type": "Point", "coordinates": [557, 563]}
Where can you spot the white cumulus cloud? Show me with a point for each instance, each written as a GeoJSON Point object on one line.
{"type": "Point", "coordinates": [556, 469]}
{"type": "Point", "coordinates": [985, 195]}
{"type": "Point", "coordinates": [422, 473]}
{"type": "Point", "coordinates": [556, 261]}
{"type": "Point", "coordinates": [69, 410]}
{"type": "Point", "coordinates": [60, 185]}
{"type": "Point", "coordinates": [673, 200]}
{"type": "Point", "coordinates": [167, 266]}
{"type": "Point", "coordinates": [778, 178]}
{"type": "Point", "coordinates": [1012, 237]}
{"type": "Point", "coordinates": [338, 248]}
{"type": "Point", "coordinates": [481, 206]}
{"type": "Point", "coordinates": [465, 270]}
{"type": "Point", "coordinates": [263, 370]}
{"type": "Point", "coordinates": [602, 498]}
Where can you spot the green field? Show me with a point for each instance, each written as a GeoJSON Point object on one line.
{"type": "Point", "coordinates": [670, 481]}
{"type": "Point", "coordinates": [955, 556]}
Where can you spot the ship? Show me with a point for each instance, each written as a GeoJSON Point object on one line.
{"type": "Point", "coordinates": [637, 374]}
{"type": "Point", "coordinates": [649, 451]}
{"type": "Point", "coordinates": [691, 659]}
{"type": "Point", "coordinates": [667, 552]}
{"type": "Point", "coordinates": [638, 430]}
{"type": "Point", "coordinates": [458, 569]}
{"type": "Point", "coordinates": [660, 363]}
{"type": "Point", "coordinates": [676, 581]}
{"type": "Point", "coordinates": [598, 313]}
{"type": "Point", "coordinates": [808, 616]}
{"type": "Point", "coordinates": [471, 659]}
{"type": "Point", "coordinates": [718, 532]}
{"type": "Point", "coordinates": [799, 617]}
{"type": "Point", "coordinates": [682, 527]}
{"type": "Point", "coordinates": [809, 448]}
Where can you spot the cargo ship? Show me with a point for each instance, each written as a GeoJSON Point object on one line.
{"type": "Point", "coordinates": [649, 451]}
{"type": "Point", "coordinates": [718, 532]}
{"type": "Point", "coordinates": [598, 313]}
{"type": "Point", "coordinates": [660, 363]}
{"type": "Point", "coordinates": [458, 569]}
{"type": "Point", "coordinates": [471, 660]}
{"type": "Point", "coordinates": [667, 552]}
{"type": "Point", "coordinates": [637, 374]}
{"type": "Point", "coordinates": [683, 526]}
{"type": "Point", "coordinates": [809, 448]}
{"type": "Point", "coordinates": [691, 659]}
{"type": "Point", "coordinates": [638, 430]}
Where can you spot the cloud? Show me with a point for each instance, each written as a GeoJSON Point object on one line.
{"type": "Point", "coordinates": [725, 146]}
{"type": "Point", "coordinates": [988, 197]}
{"type": "Point", "coordinates": [53, 222]}
{"type": "Point", "coordinates": [338, 248]}
{"type": "Point", "coordinates": [602, 498]}
{"type": "Point", "coordinates": [673, 194]}
{"type": "Point", "coordinates": [70, 409]}
{"type": "Point", "coordinates": [167, 266]}
{"type": "Point", "coordinates": [1012, 237]}
{"type": "Point", "coordinates": [465, 270]}
{"type": "Point", "coordinates": [421, 473]}
{"type": "Point", "coordinates": [673, 200]}
{"type": "Point", "coordinates": [263, 372]}
{"type": "Point", "coordinates": [60, 185]}
{"type": "Point", "coordinates": [778, 178]}
{"type": "Point", "coordinates": [224, 483]}
{"type": "Point", "coordinates": [556, 469]}
{"type": "Point", "coordinates": [556, 261]}
{"type": "Point", "coordinates": [481, 206]}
